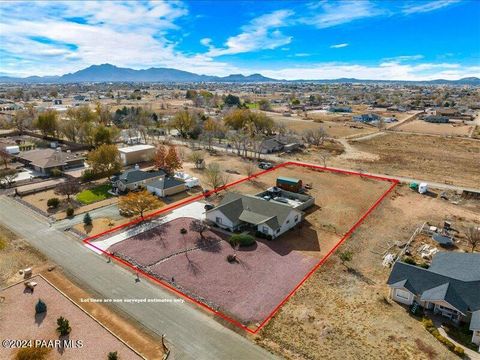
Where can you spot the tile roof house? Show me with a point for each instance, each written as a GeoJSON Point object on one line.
{"type": "Point", "coordinates": [238, 212]}
{"type": "Point", "coordinates": [449, 287]}
{"type": "Point", "coordinates": [45, 160]}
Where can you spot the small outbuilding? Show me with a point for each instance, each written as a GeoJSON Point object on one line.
{"type": "Point", "coordinates": [136, 154]}
{"type": "Point", "coordinates": [289, 184]}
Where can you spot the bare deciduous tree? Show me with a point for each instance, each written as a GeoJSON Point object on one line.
{"type": "Point", "coordinates": [214, 175]}
{"type": "Point", "coordinates": [315, 136]}
{"type": "Point", "coordinates": [473, 236]}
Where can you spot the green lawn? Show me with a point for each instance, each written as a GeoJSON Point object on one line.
{"type": "Point", "coordinates": [252, 105]}
{"type": "Point", "coordinates": [93, 195]}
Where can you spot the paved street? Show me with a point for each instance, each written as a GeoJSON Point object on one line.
{"type": "Point", "coordinates": [190, 333]}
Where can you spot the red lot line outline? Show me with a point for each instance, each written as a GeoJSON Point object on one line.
{"type": "Point", "coordinates": [199, 197]}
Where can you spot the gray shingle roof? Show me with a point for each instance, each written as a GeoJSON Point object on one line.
{"type": "Point", "coordinates": [133, 176]}
{"type": "Point", "coordinates": [447, 293]}
{"type": "Point", "coordinates": [444, 280]}
{"type": "Point", "coordinates": [460, 266]}
{"type": "Point", "coordinates": [237, 208]}
{"type": "Point", "coordinates": [165, 183]}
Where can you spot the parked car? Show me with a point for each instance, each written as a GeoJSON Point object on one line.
{"type": "Point", "coordinates": [265, 165]}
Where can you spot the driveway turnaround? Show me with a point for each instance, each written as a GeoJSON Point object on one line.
{"type": "Point", "coordinates": [191, 333]}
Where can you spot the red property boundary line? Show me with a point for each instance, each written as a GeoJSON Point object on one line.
{"type": "Point", "coordinates": [202, 196]}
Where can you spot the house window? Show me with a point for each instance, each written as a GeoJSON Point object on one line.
{"type": "Point", "coordinates": [265, 230]}
{"type": "Point", "coordinates": [288, 221]}
{"type": "Point", "coordinates": [218, 220]}
{"type": "Point", "coordinates": [278, 230]}
{"type": "Point", "coordinates": [296, 218]}
{"type": "Point", "coordinates": [402, 294]}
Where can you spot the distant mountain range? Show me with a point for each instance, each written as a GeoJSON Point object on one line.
{"type": "Point", "coordinates": [112, 73]}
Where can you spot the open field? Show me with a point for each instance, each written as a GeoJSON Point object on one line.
{"type": "Point", "coordinates": [423, 127]}
{"type": "Point", "coordinates": [16, 254]}
{"type": "Point", "coordinates": [341, 313]}
{"type": "Point", "coordinates": [425, 157]}
{"type": "Point", "coordinates": [193, 265]}
{"type": "Point", "coordinates": [334, 125]}
{"type": "Point", "coordinates": [19, 321]}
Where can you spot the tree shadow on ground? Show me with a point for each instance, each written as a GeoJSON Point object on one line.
{"type": "Point", "coordinates": [193, 267]}
{"type": "Point", "coordinates": [40, 317]}
{"type": "Point", "coordinates": [209, 244]}
{"type": "Point", "coordinates": [360, 276]}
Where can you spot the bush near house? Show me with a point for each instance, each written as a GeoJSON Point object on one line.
{"type": "Point", "coordinates": [450, 345]}
{"type": "Point", "coordinates": [40, 307]}
{"type": "Point", "coordinates": [95, 194]}
{"type": "Point", "coordinates": [241, 239]}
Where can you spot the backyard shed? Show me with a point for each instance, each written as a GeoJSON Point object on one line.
{"type": "Point", "coordinates": [289, 184]}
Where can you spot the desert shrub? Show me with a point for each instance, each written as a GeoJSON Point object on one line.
{"type": "Point", "coordinates": [459, 351]}
{"type": "Point", "coordinates": [436, 334]}
{"type": "Point", "coordinates": [70, 211]}
{"type": "Point", "coordinates": [231, 258]}
{"type": "Point", "coordinates": [53, 202]}
{"type": "Point", "coordinates": [113, 355]}
{"type": "Point", "coordinates": [3, 243]}
{"type": "Point", "coordinates": [63, 326]}
{"type": "Point", "coordinates": [88, 175]}
{"type": "Point", "coordinates": [424, 265]}
{"type": "Point", "coordinates": [32, 353]}
{"type": "Point", "coordinates": [87, 219]}
{"type": "Point", "coordinates": [40, 307]}
{"type": "Point", "coordinates": [242, 240]}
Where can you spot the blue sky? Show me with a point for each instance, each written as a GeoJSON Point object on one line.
{"type": "Point", "coordinates": [404, 40]}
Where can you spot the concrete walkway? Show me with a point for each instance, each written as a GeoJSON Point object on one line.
{"type": "Point", "coordinates": [190, 332]}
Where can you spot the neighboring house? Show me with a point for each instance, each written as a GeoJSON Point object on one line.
{"type": "Point", "coordinates": [280, 143]}
{"type": "Point", "coordinates": [271, 145]}
{"type": "Point", "coordinates": [436, 119]}
{"type": "Point", "coordinates": [366, 118]}
{"type": "Point", "coordinates": [237, 212]}
{"type": "Point", "coordinates": [166, 186]}
{"type": "Point", "coordinates": [449, 287]}
{"type": "Point", "coordinates": [135, 179]}
{"type": "Point", "coordinates": [340, 109]}
{"type": "Point", "coordinates": [136, 154]}
{"type": "Point", "coordinates": [45, 160]}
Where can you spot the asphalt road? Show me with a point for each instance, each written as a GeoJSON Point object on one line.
{"type": "Point", "coordinates": [191, 333]}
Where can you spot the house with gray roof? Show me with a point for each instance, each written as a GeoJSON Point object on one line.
{"type": "Point", "coordinates": [237, 212]}
{"type": "Point", "coordinates": [135, 179]}
{"type": "Point", "coordinates": [449, 287]}
{"type": "Point", "coordinates": [166, 186]}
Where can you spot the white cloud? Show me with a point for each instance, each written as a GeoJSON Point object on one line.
{"type": "Point", "coordinates": [405, 58]}
{"type": "Point", "coordinates": [261, 33]}
{"type": "Point", "coordinates": [342, 12]}
{"type": "Point", "coordinates": [122, 33]}
{"type": "Point", "coordinates": [339, 46]}
{"type": "Point", "coordinates": [427, 7]}
{"type": "Point", "coordinates": [382, 71]}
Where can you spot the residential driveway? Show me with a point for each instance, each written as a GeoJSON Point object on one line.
{"type": "Point", "coordinates": [191, 333]}
{"type": "Point", "coordinates": [194, 210]}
